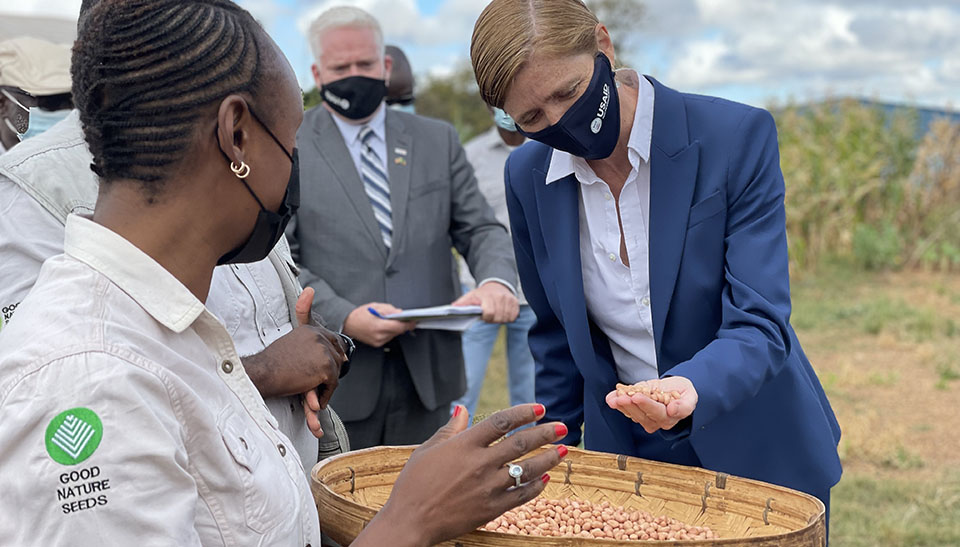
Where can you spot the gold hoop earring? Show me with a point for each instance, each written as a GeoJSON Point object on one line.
{"type": "Point", "coordinates": [242, 171]}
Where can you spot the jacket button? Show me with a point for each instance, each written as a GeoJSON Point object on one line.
{"type": "Point", "coordinates": [282, 449]}
{"type": "Point", "coordinates": [227, 367]}
{"type": "Point", "coordinates": [386, 350]}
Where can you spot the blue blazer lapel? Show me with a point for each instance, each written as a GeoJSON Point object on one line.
{"type": "Point", "coordinates": [559, 206]}
{"type": "Point", "coordinates": [674, 161]}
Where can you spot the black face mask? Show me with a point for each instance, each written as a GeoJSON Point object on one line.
{"type": "Point", "coordinates": [269, 226]}
{"type": "Point", "coordinates": [590, 129]}
{"type": "Point", "coordinates": [354, 97]}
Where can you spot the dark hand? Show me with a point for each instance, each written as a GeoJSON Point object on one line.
{"type": "Point", "coordinates": [298, 362]}
{"type": "Point", "coordinates": [457, 480]}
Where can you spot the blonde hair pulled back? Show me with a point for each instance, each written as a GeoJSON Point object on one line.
{"type": "Point", "coordinates": [509, 31]}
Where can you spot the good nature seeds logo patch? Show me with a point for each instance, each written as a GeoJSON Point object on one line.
{"type": "Point", "coordinates": [73, 436]}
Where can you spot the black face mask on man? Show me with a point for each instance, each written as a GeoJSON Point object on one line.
{"type": "Point", "coordinates": [354, 97]}
{"type": "Point", "coordinates": [270, 225]}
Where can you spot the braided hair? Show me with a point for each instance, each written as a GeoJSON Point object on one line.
{"type": "Point", "coordinates": [144, 71]}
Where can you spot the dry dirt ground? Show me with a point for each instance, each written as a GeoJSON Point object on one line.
{"type": "Point", "coordinates": [887, 349]}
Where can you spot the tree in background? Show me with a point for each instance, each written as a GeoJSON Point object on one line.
{"type": "Point", "coordinates": [931, 209]}
{"type": "Point", "coordinates": [455, 98]}
{"type": "Point", "coordinates": [622, 18]}
{"type": "Point", "coordinates": [845, 165]}
{"type": "Point", "coordinates": [311, 98]}
{"type": "Point", "coordinates": [862, 187]}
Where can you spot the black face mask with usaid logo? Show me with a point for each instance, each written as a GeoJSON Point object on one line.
{"type": "Point", "coordinates": [590, 128]}
{"type": "Point", "coordinates": [354, 97]}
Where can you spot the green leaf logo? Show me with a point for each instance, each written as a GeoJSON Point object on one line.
{"type": "Point", "coordinates": [73, 436]}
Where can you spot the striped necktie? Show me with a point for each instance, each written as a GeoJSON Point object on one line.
{"type": "Point", "coordinates": [376, 184]}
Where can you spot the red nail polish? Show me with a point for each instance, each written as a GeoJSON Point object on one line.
{"type": "Point", "coordinates": [561, 430]}
{"type": "Point", "coordinates": [562, 450]}
{"type": "Point", "coordinates": [457, 410]}
{"type": "Point", "coordinates": [539, 410]}
{"type": "Point", "coordinates": [545, 478]}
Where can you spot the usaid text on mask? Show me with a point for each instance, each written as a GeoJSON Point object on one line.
{"type": "Point", "coordinates": [597, 124]}
{"type": "Point", "coordinates": [339, 102]}
{"type": "Point", "coordinates": [583, 130]}
{"type": "Point", "coordinates": [355, 97]}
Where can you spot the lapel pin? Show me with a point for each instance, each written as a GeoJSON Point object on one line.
{"type": "Point", "coordinates": [399, 160]}
{"type": "Point", "coordinates": [400, 151]}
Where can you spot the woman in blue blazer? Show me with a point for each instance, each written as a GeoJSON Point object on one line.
{"type": "Point", "coordinates": [649, 230]}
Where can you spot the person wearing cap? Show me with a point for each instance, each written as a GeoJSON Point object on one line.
{"type": "Point", "coordinates": [34, 88]}
{"type": "Point", "coordinates": [400, 87]}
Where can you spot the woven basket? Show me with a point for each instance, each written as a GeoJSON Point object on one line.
{"type": "Point", "coordinates": [349, 489]}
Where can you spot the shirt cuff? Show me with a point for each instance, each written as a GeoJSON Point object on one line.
{"type": "Point", "coordinates": [500, 281]}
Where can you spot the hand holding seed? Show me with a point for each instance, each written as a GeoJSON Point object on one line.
{"type": "Point", "coordinates": [655, 404]}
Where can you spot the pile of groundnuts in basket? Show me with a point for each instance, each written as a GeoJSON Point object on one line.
{"type": "Point", "coordinates": [585, 519]}
{"type": "Point", "coordinates": [570, 518]}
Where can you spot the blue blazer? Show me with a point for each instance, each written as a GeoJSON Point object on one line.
{"type": "Point", "coordinates": [720, 294]}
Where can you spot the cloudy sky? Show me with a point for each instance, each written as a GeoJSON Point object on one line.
{"type": "Point", "coordinates": [755, 51]}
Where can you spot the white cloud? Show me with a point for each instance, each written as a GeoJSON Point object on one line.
{"type": "Point", "coordinates": [67, 9]}
{"type": "Point", "coordinates": [891, 49]}
{"type": "Point", "coordinates": [402, 20]}
{"type": "Point", "coordinates": [902, 51]}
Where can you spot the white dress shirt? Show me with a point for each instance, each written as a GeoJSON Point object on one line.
{"type": "Point", "coordinates": [247, 298]}
{"type": "Point", "coordinates": [617, 295]}
{"type": "Point", "coordinates": [351, 136]}
{"type": "Point", "coordinates": [128, 416]}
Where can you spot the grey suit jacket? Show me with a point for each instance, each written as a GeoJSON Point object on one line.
{"type": "Point", "coordinates": [436, 205]}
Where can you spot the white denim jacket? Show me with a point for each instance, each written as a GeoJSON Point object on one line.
{"type": "Point", "coordinates": [128, 418]}
{"type": "Point", "coordinates": [48, 177]}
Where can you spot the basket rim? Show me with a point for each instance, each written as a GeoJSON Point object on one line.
{"type": "Point", "coordinates": [370, 513]}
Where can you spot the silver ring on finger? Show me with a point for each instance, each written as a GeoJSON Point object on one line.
{"type": "Point", "coordinates": [516, 472]}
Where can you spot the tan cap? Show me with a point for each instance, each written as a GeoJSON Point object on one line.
{"type": "Point", "coordinates": [36, 66]}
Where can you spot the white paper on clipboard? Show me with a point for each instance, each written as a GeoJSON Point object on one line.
{"type": "Point", "coordinates": [452, 318]}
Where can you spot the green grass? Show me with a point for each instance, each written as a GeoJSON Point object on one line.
{"type": "Point", "coordinates": [824, 309]}
{"type": "Point", "coordinates": [884, 379]}
{"type": "Point", "coordinates": [495, 396]}
{"type": "Point", "coordinates": [947, 372]}
{"type": "Point", "coordinates": [837, 298]}
{"type": "Point", "coordinates": [871, 512]}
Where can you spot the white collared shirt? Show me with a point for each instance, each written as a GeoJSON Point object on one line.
{"type": "Point", "coordinates": [618, 296]}
{"type": "Point", "coordinates": [128, 416]}
{"type": "Point", "coordinates": [351, 136]}
{"type": "Point", "coordinates": [248, 298]}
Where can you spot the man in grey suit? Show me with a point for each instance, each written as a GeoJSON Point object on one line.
{"type": "Point", "coordinates": [385, 195]}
